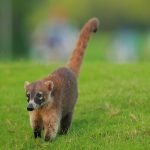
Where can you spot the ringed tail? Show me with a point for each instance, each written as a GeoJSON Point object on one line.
{"type": "Point", "coordinates": [76, 58]}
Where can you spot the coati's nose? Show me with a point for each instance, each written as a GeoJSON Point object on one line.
{"type": "Point", "coordinates": [30, 107]}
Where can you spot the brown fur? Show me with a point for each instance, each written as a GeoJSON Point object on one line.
{"type": "Point", "coordinates": [59, 91]}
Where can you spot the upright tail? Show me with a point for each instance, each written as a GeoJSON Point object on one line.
{"type": "Point", "coordinates": [78, 53]}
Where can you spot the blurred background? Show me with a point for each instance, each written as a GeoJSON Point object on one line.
{"type": "Point", "coordinates": [44, 31]}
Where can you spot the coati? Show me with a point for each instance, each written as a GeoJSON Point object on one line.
{"type": "Point", "coordinates": [51, 100]}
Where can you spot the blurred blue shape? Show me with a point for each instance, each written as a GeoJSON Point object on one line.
{"type": "Point", "coordinates": [53, 40]}
{"type": "Point", "coordinates": [124, 46]}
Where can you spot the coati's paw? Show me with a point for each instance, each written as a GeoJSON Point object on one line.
{"type": "Point", "coordinates": [47, 138]}
{"type": "Point", "coordinates": [37, 134]}
{"type": "Point", "coordinates": [63, 131]}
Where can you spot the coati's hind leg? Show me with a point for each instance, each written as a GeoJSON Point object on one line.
{"type": "Point", "coordinates": [65, 123]}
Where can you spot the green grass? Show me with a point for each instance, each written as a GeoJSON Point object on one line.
{"type": "Point", "coordinates": [112, 112]}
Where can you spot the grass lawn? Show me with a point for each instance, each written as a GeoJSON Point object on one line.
{"type": "Point", "coordinates": [112, 112]}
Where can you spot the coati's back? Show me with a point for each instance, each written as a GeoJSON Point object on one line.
{"type": "Point", "coordinates": [68, 88]}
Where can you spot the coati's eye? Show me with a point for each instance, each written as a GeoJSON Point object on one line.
{"type": "Point", "coordinates": [39, 95]}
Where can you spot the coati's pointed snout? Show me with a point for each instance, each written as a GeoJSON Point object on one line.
{"type": "Point", "coordinates": [30, 107]}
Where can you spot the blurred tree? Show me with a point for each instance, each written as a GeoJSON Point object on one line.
{"type": "Point", "coordinates": [20, 37]}
{"type": "Point", "coordinates": [5, 29]}
{"type": "Point", "coordinates": [112, 13]}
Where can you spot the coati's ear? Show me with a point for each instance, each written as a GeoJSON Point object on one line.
{"type": "Point", "coordinates": [50, 85]}
{"type": "Point", "coordinates": [26, 83]}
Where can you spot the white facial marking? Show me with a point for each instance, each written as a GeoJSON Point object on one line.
{"type": "Point", "coordinates": [41, 97]}
{"type": "Point", "coordinates": [35, 106]}
{"type": "Point", "coordinates": [50, 97]}
{"type": "Point", "coordinates": [40, 92]}
{"type": "Point", "coordinates": [28, 93]}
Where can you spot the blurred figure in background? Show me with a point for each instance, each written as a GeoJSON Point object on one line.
{"type": "Point", "coordinates": [53, 39]}
{"type": "Point", "coordinates": [124, 47]}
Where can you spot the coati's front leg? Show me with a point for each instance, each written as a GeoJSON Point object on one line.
{"type": "Point", "coordinates": [65, 123]}
{"type": "Point", "coordinates": [37, 132]}
{"type": "Point", "coordinates": [37, 128]}
{"type": "Point", "coordinates": [51, 125]}
{"type": "Point", "coordinates": [36, 124]}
